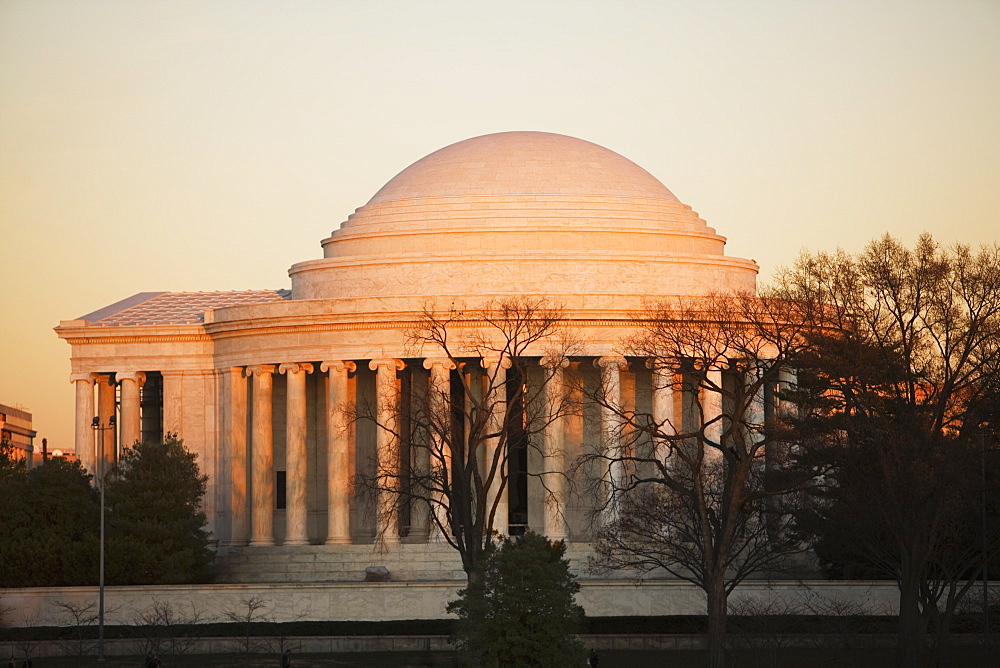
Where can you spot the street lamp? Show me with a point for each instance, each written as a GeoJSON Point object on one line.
{"type": "Point", "coordinates": [99, 430]}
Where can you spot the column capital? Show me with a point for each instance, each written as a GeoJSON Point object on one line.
{"type": "Point", "coordinates": [102, 378]}
{"type": "Point", "coordinates": [661, 365]}
{"type": "Point", "coordinates": [295, 367]}
{"type": "Point", "coordinates": [390, 364]}
{"type": "Point", "coordinates": [445, 362]}
{"type": "Point", "coordinates": [259, 369]}
{"type": "Point", "coordinates": [501, 359]}
{"type": "Point", "coordinates": [340, 366]}
{"type": "Point", "coordinates": [137, 376]}
{"type": "Point", "coordinates": [610, 361]}
{"type": "Point", "coordinates": [554, 361]}
{"type": "Point", "coordinates": [76, 377]}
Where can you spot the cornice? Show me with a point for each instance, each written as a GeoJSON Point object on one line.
{"type": "Point", "coordinates": [236, 329]}
{"type": "Point", "coordinates": [83, 339]}
{"type": "Point", "coordinates": [194, 333]}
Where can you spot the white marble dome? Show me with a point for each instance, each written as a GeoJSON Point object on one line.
{"type": "Point", "coordinates": [522, 213]}
{"type": "Point", "coordinates": [522, 163]}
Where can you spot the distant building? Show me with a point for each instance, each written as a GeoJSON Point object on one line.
{"type": "Point", "coordinates": [16, 431]}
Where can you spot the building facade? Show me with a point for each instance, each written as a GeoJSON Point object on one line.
{"type": "Point", "coordinates": [259, 383]}
{"type": "Point", "coordinates": [16, 433]}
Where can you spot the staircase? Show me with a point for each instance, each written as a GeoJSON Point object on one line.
{"type": "Point", "coordinates": [420, 562]}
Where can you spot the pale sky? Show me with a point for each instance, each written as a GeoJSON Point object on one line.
{"type": "Point", "coordinates": [209, 145]}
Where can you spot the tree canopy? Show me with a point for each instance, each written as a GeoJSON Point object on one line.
{"type": "Point", "coordinates": [49, 525]}
{"type": "Point", "coordinates": [896, 389]}
{"type": "Point", "coordinates": [156, 528]}
{"type": "Point", "coordinates": [520, 609]}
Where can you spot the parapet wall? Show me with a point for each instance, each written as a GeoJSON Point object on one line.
{"type": "Point", "coordinates": [341, 601]}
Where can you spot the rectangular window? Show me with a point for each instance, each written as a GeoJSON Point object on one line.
{"type": "Point", "coordinates": [279, 490]}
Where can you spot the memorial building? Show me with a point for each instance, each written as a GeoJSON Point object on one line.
{"type": "Point", "coordinates": [257, 383]}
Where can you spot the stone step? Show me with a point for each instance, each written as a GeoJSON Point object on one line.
{"type": "Point", "coordinates": [427, 562]}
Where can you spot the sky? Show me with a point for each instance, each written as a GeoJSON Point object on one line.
{"type": "Point", "coordinates": [209, 145]}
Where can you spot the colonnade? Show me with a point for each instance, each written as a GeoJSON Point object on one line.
{"type": "Point", "coordinates": [256, 449]}
{"type": "Point", "coordinates": [128, 421]}
{"type": "Point", "coordinates": [246, 434]}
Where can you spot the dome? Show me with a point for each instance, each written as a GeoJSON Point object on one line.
{"type": "Point", "coordinates": [522, 163]}
{"type": "Point", "coordinates": [521, 213]}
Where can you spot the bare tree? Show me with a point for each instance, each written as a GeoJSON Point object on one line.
{"type": "Point", "coordinates": [467, 420]}
{"type": "Point", "coordinates": [81, 618]}
{"type": "Point", "coordinates": [696, 486]}
{"type": "Point", "coordinates": [163, 629]}
{"type": "Point", "coordinates": [248, 616]}
{"type": "Point", "coordinates": [903, 388]}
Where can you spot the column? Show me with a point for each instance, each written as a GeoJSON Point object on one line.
{"type": "Point", "coordinates": [439, 401]}
{"type": "Point", "coordinates": [84, 441]}
{"type": "Point", "coordinates": [712, 408]}
{"type": "Point", "coordinates": [131, 418]}
{"type": "Point", "coordinates": [663, 406]}
{"type": "Point", "coordinates": [496, 404]}
{"type": "Point", "coordinates": [775, 453]}
{"type": "Point", "coordinates": [296, 459]}
{"type": "Point", "coordinates": [105, 411]}
{"type": "Point", "coordinates": [262, 453]}
{"type": "Point", "coordinates": [611, 433]}
{"type": "Point", "coordinates": [553, 460]}
{"type": "Point", "coordinates": [234, 439]}
{"type": "Point", "coordinates": [386, 447]}
{"type": "Point", "coordinates": [753, 421]}
{"type": "Point", "coordinates": [787, 380]}
{"type": "Point", "coordinates": [339, 467]}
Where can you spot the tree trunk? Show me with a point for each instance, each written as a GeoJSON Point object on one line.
{"type": "Point", "coordinates": [717, 611]}
{"type": "Point", "coordinates": [910, 642]}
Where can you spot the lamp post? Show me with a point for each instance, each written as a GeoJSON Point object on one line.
{"type": "Point", "coordinates": [99, 430]}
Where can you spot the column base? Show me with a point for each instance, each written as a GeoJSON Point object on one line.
{"type": "Point", "coordinates": [337, 541]}
{"type": "Point", "coordinates": [295, 541]}
{"type": "Point", "coordinates": [261, 543]}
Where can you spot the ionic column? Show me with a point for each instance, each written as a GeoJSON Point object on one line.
{"type": "Point", "coordinates": [553, 451]}
{"type": "Point", "coordinates": [105, 411]}
{"type": "Point", "coordinates": [262, 454]}
{"type": "Point", "coordinates": [611, 432]}
{"type": "Point", "coordinates": [439, 393]}
{"type": "Point", "coordinates": [387, 451]}
{"type": "Point", "coordinates": [86, 450]}
{"type": "Point", "coordinates": [296, 459]}
{"type": "Point", "coordinates": [234, 439]}
{"type": "Point", "coordinates": [496, 403]}
{"type": "Point", "coordinates": [338, 447]}
{"type": "Point", "coordinates": [131, 423]}
{"type": "Point", "coordinates": [663, 406]}
{"type": "Point", "coordinates": [712, 407]}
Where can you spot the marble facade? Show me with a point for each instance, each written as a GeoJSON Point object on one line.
{"type": "Point", "coordinates": [260, 383]}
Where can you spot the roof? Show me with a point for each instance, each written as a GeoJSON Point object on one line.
{"type": "Point", "coordinates": [522, 163]}
{"type": "Point", "coordinates": [175, 308]}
